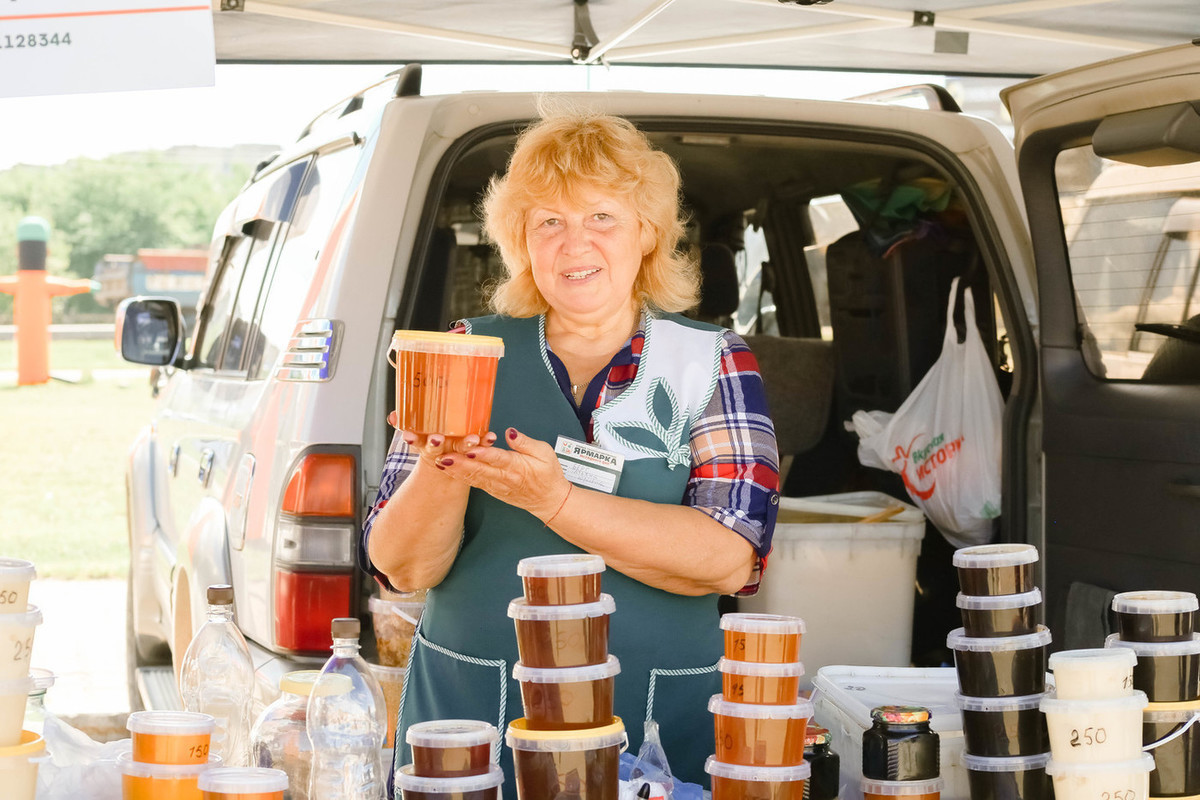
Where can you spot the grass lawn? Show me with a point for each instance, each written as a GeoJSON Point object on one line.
{"type": "Point", "coordinates": [63, 448]}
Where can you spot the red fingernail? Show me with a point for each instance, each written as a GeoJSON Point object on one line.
{"type": "Point", "coordinates": [439, 466]}
{"type": "Point", "coordinates": [436, 441]}
{"type": "Point", "coordinates": [448, 461]}
{"type": "Point", "coordinates": [410, 440]}
{"type": "Point", "coordinates": [512, 434]}
{"type": "Point", "coordinates": [470, 455]}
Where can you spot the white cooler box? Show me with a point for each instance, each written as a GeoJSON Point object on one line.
{"type": "Point", "coordinates": [852, 583]}
{"type": "Point", "coordinates": [844, 696]}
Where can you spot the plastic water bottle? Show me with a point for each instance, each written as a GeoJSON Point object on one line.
{"type": "Point", "coordinates": [347, 724]}
{"type": "Point", "coordinates": [217, 678]}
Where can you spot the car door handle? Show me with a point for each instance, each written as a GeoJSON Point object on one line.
{"type": "Point", "coordinates": [1184, 489]}
{"type": "Point", "coordinates": [173, 462]}
{"type": "Point", "coordinates": [206, 463]}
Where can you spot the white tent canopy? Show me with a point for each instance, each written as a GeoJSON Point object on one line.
{"type": "Point", "coordinates": [1019, 38]}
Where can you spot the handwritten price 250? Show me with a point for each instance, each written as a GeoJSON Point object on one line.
{"type": "Point", "coordinates": [34, 40]}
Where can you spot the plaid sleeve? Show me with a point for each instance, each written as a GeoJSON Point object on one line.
{"type": "Point", "coordinates": [735, 461]}
{"type": "Point", "coordinates": [399, 463]}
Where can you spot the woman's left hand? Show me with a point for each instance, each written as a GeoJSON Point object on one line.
{"type": "Point", "coordinates": [527, 475]}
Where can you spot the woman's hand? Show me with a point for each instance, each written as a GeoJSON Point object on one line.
{"type": "Point", "coordinates": [527, 475]}
{"type": "Point", "coordinates": [430, 447]}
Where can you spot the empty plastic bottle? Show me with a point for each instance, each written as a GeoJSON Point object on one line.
{"type": "Point", "coordinates": [217, 678]}
{"type": "Point", "coordinates": [347, 724]}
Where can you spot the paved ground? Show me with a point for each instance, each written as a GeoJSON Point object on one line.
{"type": "Point", "coordinates": [82, 641]}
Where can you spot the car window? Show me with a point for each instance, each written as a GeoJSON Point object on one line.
{"type": "Point", "coordinates": [308, 247]}
{"type": "Point", "coordinates": [214, 315]}
{"type": "Point", "coordinates": [1133, 236]}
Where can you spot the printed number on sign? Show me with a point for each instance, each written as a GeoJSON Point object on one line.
{"type": "Point", "coordinates": [8, 598]}
{"type": "Point", "coordinates": [1088, 736]}
{"type": "Point", "coordinates": [23, 650]}
{"type": "Point", "coordinates": [25, 40]}
{"type": "Point", "coordinates": [1120, 794]}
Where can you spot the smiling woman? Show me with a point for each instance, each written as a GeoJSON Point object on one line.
{"type": "Point", "coordinates": [587, 221]}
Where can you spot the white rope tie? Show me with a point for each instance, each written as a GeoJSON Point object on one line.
{"type": "Point", "coordinates": [670, 673]}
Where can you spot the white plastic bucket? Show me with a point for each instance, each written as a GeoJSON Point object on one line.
{"type": "Point", "coordinates": [1095, 731]}
{"type": "Point", "coordinates": [1093, 674]}
{"type": "Point", "coordinates": [1112, 780]}
{"type": "Point", "coordinates": [16, 642]}
{"type": "Point", "coordinates": [845, 577]}
{"type": "Point", "coordinates": [15, 575]}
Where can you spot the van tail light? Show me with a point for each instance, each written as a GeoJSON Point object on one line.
{"type": "Point", "coordinates": [316, 533]}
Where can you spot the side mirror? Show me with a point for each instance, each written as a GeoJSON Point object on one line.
{"type": "Point", "coordinates": [149, 330]}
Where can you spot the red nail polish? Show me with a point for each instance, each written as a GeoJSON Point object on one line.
{"type": "Point", "coordinates": [470, 455]}
{"type": "Point", "coordinates": [512, 434]}
{"type": "Point", "coordinates": [439, 466]}
{"type": "Point", "coordinates": [448, 461]}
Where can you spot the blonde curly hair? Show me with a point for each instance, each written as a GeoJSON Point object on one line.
{"type": "Point", "coordinates": [570, 150]}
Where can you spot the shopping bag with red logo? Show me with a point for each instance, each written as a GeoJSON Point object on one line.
{"type": "Point", "coordinates": [944, 440]}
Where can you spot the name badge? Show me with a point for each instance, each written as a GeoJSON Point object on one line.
{"type": "Point", "coordinates": [589, 466]}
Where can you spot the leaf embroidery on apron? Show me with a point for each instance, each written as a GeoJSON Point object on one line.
{"type": "Point", "coordinates": [663, 436]}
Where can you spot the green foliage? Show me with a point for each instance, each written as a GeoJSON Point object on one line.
{"type": "Point", "coordinates": [115, 205]}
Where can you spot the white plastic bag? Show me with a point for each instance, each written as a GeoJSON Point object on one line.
{"type": "Point", "coordinates": [944, 441]}
{"type": "Point", "coordinates": [78, 767]}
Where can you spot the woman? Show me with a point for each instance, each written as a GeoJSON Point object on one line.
{"type": "Point", "coordinates": [587, 222]}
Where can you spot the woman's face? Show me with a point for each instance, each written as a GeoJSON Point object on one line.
{"type": "Point", "coordinates": [585, 252]}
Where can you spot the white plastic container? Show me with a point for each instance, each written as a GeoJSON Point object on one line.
{"type": "Point", "coordinates": [816, 568]}
{"type": "Point", "coordinates": [1093, 674]}
{"type": "Point", "coordinates": [1112, 780]}
{"type": "Point", "coordinates": [909, 789]}
{"type": "Point", "coordinates": [475, 785]}
{"type": "Point", "coordinates": [844, 696]}
{"type": "Point", "coordinates": [15, 575]}
{"type": "Point", "coordinates": [1094, 731]}
{"type": "Point", "coordinates": [14, 696]}
{"type": "Point", "coordinates": [729, 780]}
{"type": "Point", "coordinates": [234, 783]}
{"type": "Point", "coordinates": [16, 642]}
{"type": "Point", "coordinates": [19, 766]}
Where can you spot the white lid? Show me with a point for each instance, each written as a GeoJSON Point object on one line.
{"type": "Point", "coordinates": [14, 686]}
{"type": "Point", "coordinates": [447, 343]}
{"type": "Point", "coordinates": [170, 723]}
{"type": "Point", "coordinates": [16, 569]}
{"type": "Point", "coordinates": [719, 705]}
{"type": "Point", "coordinates": [1005, 763]}
{"type": "Point", "coordinates": [1187, 647]}
{"type": "Point", "coordinates": [137, 769]}
{"type": "Point", "coordinates": [994, 602]}
{"type": "Point", "coordinates": [243, 780]}
{"type": "Point", "coordinates": [378, 605]}
{"type": "Point", "coordinates": [897, 788]}
{"type": "Point", "coordinates": [519, 737]}
{"type": "Point", "coordinates": [451, 733]}
{"type": "Point", "coordinates": [800, 772]}
{"type": "Point", "coordinates": [1154, 602]}
{"type": "Point", "coordinates": [1098, 657]}
{"type": "Point", "coordinates": [958, 640]}
{"type": "Point", "coordinates": [762, 623]}
{"type": "Point", "coordinates": [985, 556]}
{"type": "Point", "coordinates": [1052, 705]}
{"type": "Point", "coordinates": [566, 565]}
{"type": "Point", "coordinates": [462, 784]}
{"type": "Point", "coordinates": [590, 672]}
{"type": "Point", "coordinates": [1143, 763]}
{"type": "Point", "coordinates": [788, 669]}
{"type": "Point", "coordinates": [521, 609]}
{"type": "Point", "coordinates": [1018, 703]}
{"type": "Point", "coordinates": [31, 616]}
{"type": "Point", "coordinates": [855, 690]}
{"type": "Point", "coordinates": [42, 678]}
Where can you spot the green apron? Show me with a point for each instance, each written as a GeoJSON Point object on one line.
{"type": "Point", "coordinates": [465, 648]}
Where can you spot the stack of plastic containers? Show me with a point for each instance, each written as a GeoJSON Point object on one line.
{"type": "Point", "coordinates": [1158, 628]}
{"type": "Point", "coordinates": [760, 720]}
{"type": "Point", "coordinates": [170, 751]}
{"type": "Point", "coordinates": [1000, 660]}
{"type": "Point", "coordinates": [394, 617]}
{"type": "Point", "coordinates": [451, 758]}
{"type": "Point", "coordinates": [569, 742]}
{"type": "Point", "coordinates": [20, 750]}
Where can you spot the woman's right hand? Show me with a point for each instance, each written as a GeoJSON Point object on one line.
{"type": "Point", "coordinates": [430, 446]}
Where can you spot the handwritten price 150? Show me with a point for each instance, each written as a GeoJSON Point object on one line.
{"type": "Point", "coordinates": [28, 40]}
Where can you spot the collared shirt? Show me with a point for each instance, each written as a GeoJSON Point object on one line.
{"type": "Point", "coordinates": [735, 463]}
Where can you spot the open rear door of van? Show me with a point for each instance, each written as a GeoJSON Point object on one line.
{"type": "Point", "coordinates": [1109, 159]}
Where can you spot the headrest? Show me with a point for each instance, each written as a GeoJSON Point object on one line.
{"type": "Point", "coordinates": [718, 281]}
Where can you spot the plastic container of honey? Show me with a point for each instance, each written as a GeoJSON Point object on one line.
{"type": "Point", "coordinates": [772, 638]}
{"type": "Point", "coordinates": [570, 698]}
{"type": "Point", "coordinates": [142, 781]}
{"type": "Point", "coordinates": [561, 580]}
{"type": "Point", "coordinates": [1011, 778]}
{"type": "Point", "coordinates": [395, 622]}
{"type": "Point", "coordinates": [738, 782]}
{"type": "Point", "coordinates": [16, 641]}
{"type": "Point", "coordinates": [990, 569]}
{"type": "Point", "coordinates": [576, 764]}
{"type": "Point", "coordinates": [1000, 615]}
{"type": "Point", "coordinates": [1000, 666]}
{"type": "Point", "coordinates": [1094, 731]}
{"type": "Point", "coordinates": [1093, 673]}
{"type": "Point", "coordinates": [19, 766]}
{"type": "Point", "coordinates": [15, 575]}
{"type": "Point", "coordinates": [753, 682]}
{"type": "Point", "coordinates": [1003, 727]}
{"type": "Point", "coordinates": [444, 381]}
{"type": "Point", "coordinates": [485, 786]}
{"type": "Point", "coordinates": [14, 696]}
{"type": "Point", "coordinates": [171, 737]}
{"type": "Point", "coordinates": [760, 735]}
{"type": "Point", "coordinates": [930, 789]}
{"type": "Point", "coordinates": [1155, 616]}
{"type": "Point", "coordinates": [1168, 672]}
{"type": "Point", "coordinates": [243, 783]}
{"type": "Point", "coordinates": [1109, 780]}
{"type": "Point", "coordinates": [562, 636]}
{"type": "Point", "coordinates": [451, 748]}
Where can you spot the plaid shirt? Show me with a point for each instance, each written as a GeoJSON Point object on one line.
{"type": "Point", "coordinates": [735, 463]}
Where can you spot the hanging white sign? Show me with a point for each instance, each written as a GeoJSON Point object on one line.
{"type": "Point", "coordinates": [71, 46]}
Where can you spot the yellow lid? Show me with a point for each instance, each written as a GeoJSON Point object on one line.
{"type": "Point", "coordinates": [1185, 705]}
{"type": "Point", "coordinates": [520, 737]}
{"type": "Point", "coordinates": [458, 344]}
{"type": "Point", "coordinates": [32, 744]}
{"type": "Point", "coordinates": [299, 682]}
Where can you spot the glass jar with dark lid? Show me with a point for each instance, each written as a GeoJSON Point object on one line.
{"type": "Point", "coordinates": [823, 783]}
{"type": "Point", "coordinates": [900, 745]}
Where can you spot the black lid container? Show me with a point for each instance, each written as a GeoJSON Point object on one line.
{"type": "Point", "coordinates": [1005, 666]}
{"type": "Point", "coordinates": [1155, 616]}
{"type": "Point", "coordinates": [1000, 615]}
{"type": "Point", "coordinates": [999, 727]}
{"type": "Point", "coordinates": [1168, 672]}
{"type": "Point", "coordinates": [1014, 778]}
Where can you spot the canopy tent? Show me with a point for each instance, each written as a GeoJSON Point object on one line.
{"type": "Point", "coordinates": [1021, 38]}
